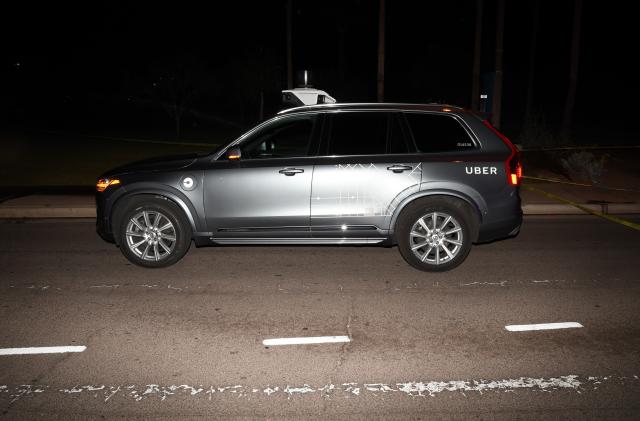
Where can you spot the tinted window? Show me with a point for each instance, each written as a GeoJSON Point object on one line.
{"type": "Point", "coordinates": [397, 142]}
{"type": "Point", "coordinates": [354, 133]}
{"type": "Point", "coordinates": [438, 133]}
{"type": "Point", "coordinates": [284, 139]}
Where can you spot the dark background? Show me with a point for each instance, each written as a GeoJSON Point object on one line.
{"type": "Point", "coordinates": [90, 67]}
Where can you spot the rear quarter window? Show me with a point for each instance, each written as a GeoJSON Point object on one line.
{"type": "Point", "coordinates": [438, 133]}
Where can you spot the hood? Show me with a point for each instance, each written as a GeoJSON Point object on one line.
{"type": "Point", "coordinates": [172, 162]}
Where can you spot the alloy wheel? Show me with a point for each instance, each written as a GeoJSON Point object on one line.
{"type": "Point", "coordinates": [436, 238]}
{"type": "Point", "coordinates": [151, 236]}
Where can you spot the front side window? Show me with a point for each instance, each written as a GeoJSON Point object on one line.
{"type": "Point", "coordinates": [438, 133]}
{"type": "Point", "coordinates": [287, 138]}
{"type": "Point", "coordinates": [365, 133]}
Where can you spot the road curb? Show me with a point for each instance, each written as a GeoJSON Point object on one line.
{"type": "Point", "coordinates": [604, 213]}
{"type": "Point", "coordinates": [565, 209]}
{"type": "Point", "coordinates": [23, 212]}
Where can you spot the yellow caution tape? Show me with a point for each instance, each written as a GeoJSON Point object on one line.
{"type": "Point", "coordinates": [575, 148]}
{"type": "Point", "coordinates": [585, 209]}
{"type": "Point", "coordinates": [553, 180]}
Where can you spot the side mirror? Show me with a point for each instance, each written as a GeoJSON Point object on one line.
{"type": "Point", "coordinates": [234, 154]}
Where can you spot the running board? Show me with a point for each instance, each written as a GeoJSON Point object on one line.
{"type": "Point", "coordinates": [295, 241]}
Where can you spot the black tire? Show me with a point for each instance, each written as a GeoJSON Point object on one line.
{"type": "Point", "coordinates": [162, 249]}
{"type": "Point", "coordinates": [410, 233]}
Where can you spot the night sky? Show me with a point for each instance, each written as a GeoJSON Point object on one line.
{"type": "Point", "coordinates": [91, 66]}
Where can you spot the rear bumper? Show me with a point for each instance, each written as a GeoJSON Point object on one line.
{"type": "Point", "coordinates": [497, 230]}
{"type": "Point", "coordinates": [503, 219]}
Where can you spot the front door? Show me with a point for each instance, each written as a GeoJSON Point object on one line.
{"type": "Point", "coordinates": [264, 194]}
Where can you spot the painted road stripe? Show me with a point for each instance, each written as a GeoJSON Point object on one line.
{"type": "Point", "coordinates": [306, 341]}
{"type": "Point", "coordinates": [393, 390]}
{"type": "Point", "coordinates": [542, 326]}
{"type": "Point", "coordinates": [42, 350]}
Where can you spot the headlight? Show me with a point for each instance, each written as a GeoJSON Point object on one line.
{"type": "Point", "coordinates": [103, 183]}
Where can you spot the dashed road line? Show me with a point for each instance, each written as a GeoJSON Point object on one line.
{"type": "Point", "coordinates": [42, 350]}
{"type": "Point", "coordinates": [543, 326]}
{"type": "Point", "coordinates": [306, 340]}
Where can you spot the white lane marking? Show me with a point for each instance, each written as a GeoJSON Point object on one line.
{"type": "Point", "coordinates": [501, 283]}
{"type": "Point", "coordinates": [306, 340]}
{"type": "Point", "coordinates": [543, 326]}
{"type": "Point", "coordinates": [42, 350]}
{"type": "Point", "coordinates": [412, 389]}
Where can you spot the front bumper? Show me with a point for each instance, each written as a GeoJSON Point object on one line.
{"type": "Point", "coordinates": [103, 225]}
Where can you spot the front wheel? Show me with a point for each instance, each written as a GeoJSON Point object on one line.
{"type": "Point", "coordinates": [153, 233]}
{"type": "Point", "coordinates": [434, 235]}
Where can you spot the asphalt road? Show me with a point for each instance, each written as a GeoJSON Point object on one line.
{"type": "Point", "coordinates": [186, 342]}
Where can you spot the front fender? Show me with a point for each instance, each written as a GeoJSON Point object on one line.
{"type": "Point", "coordinates": [158, 189]}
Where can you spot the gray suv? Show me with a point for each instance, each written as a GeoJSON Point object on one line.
{"type": "Point", "coordinates": [431, 179]}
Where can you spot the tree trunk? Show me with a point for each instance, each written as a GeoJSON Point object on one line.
{"type": "Point", "coordinates": [177, 113]}
{"type": "Point", "coordinates": [497, 87]}
{"type": "Point", "coordinates": [261, 116]}
{"type": "Point", "coordinates": [342, 59]}
{"type": "Point", "coordinates": [528, 110]}
{"type": "Point", "coordinates": [381, 39]}
{"type": "Point", "coordinates": [289, 45]}
{"type": "Point", "coordinates": [573, 72]}
{"type": "Point", "coordinates": [477, 52]}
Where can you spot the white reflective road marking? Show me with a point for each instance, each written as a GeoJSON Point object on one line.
{"type": "Point", "coordinates": [42, 350]}
{"type": "Point", "coordinates": [543, 326]}
{"type": "Point", "coordinates": [307, 340]}
{"type": "Point", "coordinates": [424, 388]}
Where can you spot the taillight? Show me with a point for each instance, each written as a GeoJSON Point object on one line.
{"type": "Point", "coordinates": [516, 175]}
{"type": "Point", "coordinates": [512, 165]}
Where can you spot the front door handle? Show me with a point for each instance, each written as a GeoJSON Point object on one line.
{"type": "Point", "coordinates": [399, 168]}
{"type": "Point", "coordinates": [291, 171]}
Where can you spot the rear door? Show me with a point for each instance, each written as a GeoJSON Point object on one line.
{"type": "Point", "coordinates": [365, 169]}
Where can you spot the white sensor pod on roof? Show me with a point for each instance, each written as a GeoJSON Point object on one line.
{"type": "Point", "coordinates": [306, 96]}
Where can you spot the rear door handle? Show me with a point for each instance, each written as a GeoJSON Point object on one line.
{"type": "Point", "coordinates": [291, 171]}
{"type": "Point", "coordinates": [399, 168]}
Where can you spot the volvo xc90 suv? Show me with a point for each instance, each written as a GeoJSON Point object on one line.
{"type": "Point", "coordinates": [431, 179]}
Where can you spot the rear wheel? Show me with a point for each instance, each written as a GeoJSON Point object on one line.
{"type": "Point", "coordinates": [434, 234]}
{"type": "Point", "coordinates": [153, 232]}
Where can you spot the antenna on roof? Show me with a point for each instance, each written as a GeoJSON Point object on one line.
{"type": "Point", "coordinates": [304, 79]}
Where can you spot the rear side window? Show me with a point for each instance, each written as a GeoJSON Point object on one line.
{"type": "Point", "coordinates": [397, 142]}
{"type": "Point", "coordinates": [361, 133]}
{"type": "Point", "coordinates": [438, 133]}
